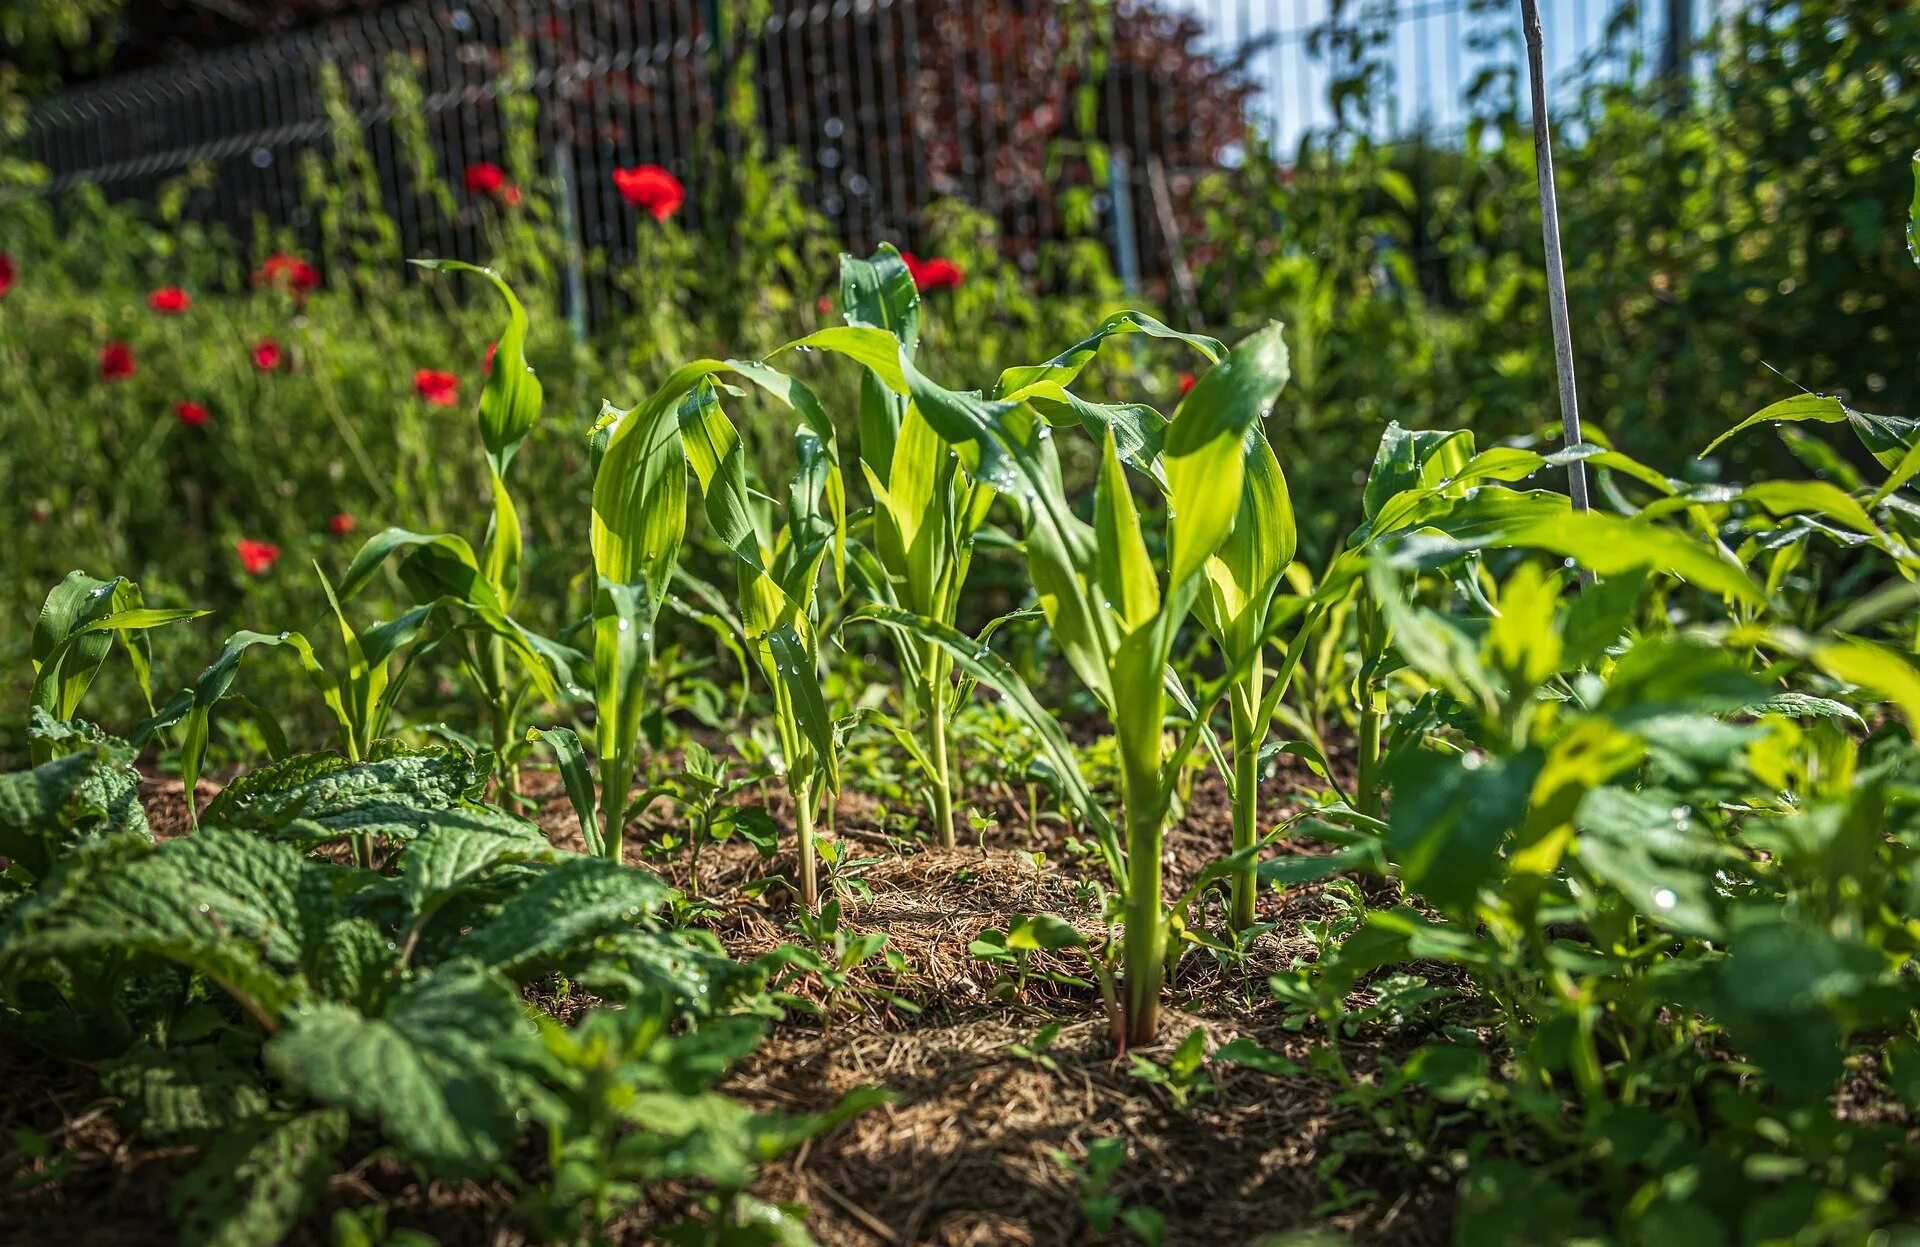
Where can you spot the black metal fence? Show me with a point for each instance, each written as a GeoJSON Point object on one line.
{"type": "Point", "coordinates": [886, 104]}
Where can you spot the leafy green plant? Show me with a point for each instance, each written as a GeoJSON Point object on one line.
{"type": "Point", "coordinates": [927, 510]}
{"type": "Point", "coordinates": [79, 623]}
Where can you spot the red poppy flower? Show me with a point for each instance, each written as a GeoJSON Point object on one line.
{"type": "Point", "coordinates": [191, 413]}
{"type": "Point", "coordinates": [170, 300]}
{"type": "Point", "coordinates": [485, 178]}
{"type": "Point", "coordinates": [1187, 380]}
{"type": "Point", "coordinates": [510, 196]}
{"type": "Point", "coordinates": [256, 556]}
{"type": "Point", "coordinates": [650, 187]}
{"type": "Point", "coordinates": [6, 274]}
{"type": "Point", "coordinates": [935, 274]}
{"type": "Point", "coordinates": [440, 389]}
{"type": "Point", "coordinates": [281, 269]}
{"type": "Point", "coordinates": [486, 365]}
{"type": "Point", "coordinates": [266, 355]}
{"type": "Point", "coordinates": [342, 524]}
{"type": "Point", "coordinates": [116, 362]}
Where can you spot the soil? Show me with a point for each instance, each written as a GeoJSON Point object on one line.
{"type": "Point", "coordinates": [971, 1151]}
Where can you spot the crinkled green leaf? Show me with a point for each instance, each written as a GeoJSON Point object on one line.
{"type": "Point", "coordinates": [430, 1071]}
{"type": "Point", "coordinates": [566, 909]}
{"type": "Point", "coordinates": [192, 1090]}
{"type": "Point", "coordinates": [259, 1180]}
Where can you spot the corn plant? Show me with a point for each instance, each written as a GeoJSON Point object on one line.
{"type": "Point", "coordinates": [1114, 619]}
{"type": "Point", "coordinates": [1235, 605]}
{"type": "Point", "coordinates": [641, 460]}
{"type": "Point", "coordinates": [442, 569]}
{"type": "Point", "coordinates": [926, 510]}
{"type": "Point", "coordinates": [79, 623]}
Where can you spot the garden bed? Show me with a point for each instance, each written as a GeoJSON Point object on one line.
{"type": "Point", "coordinates": [969, 1151]}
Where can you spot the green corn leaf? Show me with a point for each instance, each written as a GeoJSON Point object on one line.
{"type": "Point", "coordinates": [1204, 456]}
{"type": "Point", "coordinates": [979, 663]}
{"type": "Point", "coordinates": [59, 684]}
{"type": "Point", "coordinates": [577, 775]}
{"type": "Point", "coordinates": [1820, 408]}
{"type": "Point", "coordinates": [623, 620]}
{"type": "Point", "coordinates": [504, 546]}
{"type": "Point", "coordinates": [1913, 214]}
{"type": "Point", "coordinates": [1408, 458]}
{"type": "Point", "coordinates": [76, 600]}
{"type": "Point", "coordinates": [1063, 368]}
{"type": "Point", "coordinates": [430, 1071]}
{"type": "Point", "coordinates": [438, 565]}
{"type": "Point", "coordinates": [564, 911]}
{"type": "Point", "coordinates": [212, 686]}
{"type": "Point", "coordinates": [259, 1180]}
{"type": "Point", "coordinates": [1244, 575]}
{"type": "Point", "coordinates": [795, 667]}
{"type": "Point", "coordinates": [880, 292]}
{"type": "Point", "coordinates": [510, 403]}
{"type": "Point", "coordinates": [1122, 568]}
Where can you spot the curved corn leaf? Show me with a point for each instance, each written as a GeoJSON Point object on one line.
{"type": "Point", "coordinates": [979, 663]}
{"type": "Point", "coordinates": [196, 705]}
{"type": "Point", "coordinates": [1204, 459]}
{"type": "Point", "coordinates": [879, 292]}
{"type": "Point", "coordinates": [577, 775]}
{"type": "Point", "coordinates": [75, 630]}
{"type": "Point", "coordinates": [1122, 569]}
{"type": "Point", "coordinates": [1063, 368]}
{"type": "Point", "coordinates": [510, 402]}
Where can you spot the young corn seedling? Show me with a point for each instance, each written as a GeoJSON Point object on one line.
{"type": "Point", "coordinates": [79, 621]}
{"type": "Point", "coordinates": [442, 569]}
{"type": "Point", "coordinates": [1114, 617]}
{"type": "Point", "coordinates": [1234, 605]}
{"type": "Point", "coordinates": [641, 460]}
{"type": "Point", "coordinates": [926, 510]}
{"type": "Point", "coordinates": [778, 574]}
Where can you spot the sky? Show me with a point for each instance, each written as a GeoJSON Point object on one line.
{"type": "Point", "coordinates": [1437, 48]}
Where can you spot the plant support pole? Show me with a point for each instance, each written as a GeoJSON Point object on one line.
{"type": "Point", "coordinates": [1556, 271]}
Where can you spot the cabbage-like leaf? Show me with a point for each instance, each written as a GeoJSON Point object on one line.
{"type": "Point", "coordinates": [170, 1092]}
{"type": "Point", "coordinates": [245, 912]}
{"type": "Point", "coordinates": [259, 1180]}
{"type": "Point", "coordinates": [384, 795]}
{"type": "Point", "coordinates": [83, 795]}
{"type": "Point", "coordinates": [565, 910]}
{"type": "Point", "coordinates": [430, 1071]}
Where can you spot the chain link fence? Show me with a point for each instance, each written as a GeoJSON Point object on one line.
{"type": "Point", "coordinates": [1051, 115]}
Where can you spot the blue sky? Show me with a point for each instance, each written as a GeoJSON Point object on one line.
{"type": "Point", "coordinates": [1433, 52]}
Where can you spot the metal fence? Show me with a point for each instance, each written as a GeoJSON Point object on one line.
{"type": "Point", "coordinates": [886, 104]}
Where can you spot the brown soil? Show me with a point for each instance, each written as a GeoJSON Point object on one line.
{"type": "Point", "coordinates": [971, 1150]}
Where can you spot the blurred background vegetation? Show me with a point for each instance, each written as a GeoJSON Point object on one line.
{"type": "Point", "coordinates": [1726, 243]}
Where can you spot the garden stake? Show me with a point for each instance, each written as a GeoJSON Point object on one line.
{"type": "Point", "coordinates": [1556, 273]}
